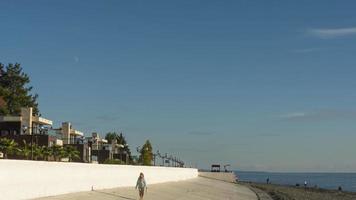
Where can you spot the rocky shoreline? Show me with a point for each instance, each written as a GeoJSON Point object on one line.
{"type": "Point", "coordinates": [282, 192]}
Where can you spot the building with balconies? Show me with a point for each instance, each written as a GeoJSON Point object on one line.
{"type": "Point", "coordinates": [24, 124]}
{"type": "Point", "coordinates": [26, 128]}
{"type": "Point", "coordinates": [68, 134]}
{"type": "Point", "coordinates": [72, 137]}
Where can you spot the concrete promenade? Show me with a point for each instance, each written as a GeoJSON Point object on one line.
{"type": "Point", "coordinates": [194, 189]}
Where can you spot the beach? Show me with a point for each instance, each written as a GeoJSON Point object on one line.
{"type": "Point", "coordinates": [194, 189]}
{"type": "Point", "coordinates": [282, 192]}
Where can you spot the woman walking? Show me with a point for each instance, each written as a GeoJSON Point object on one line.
{"type": "Point", "coordinates": [141, 185]}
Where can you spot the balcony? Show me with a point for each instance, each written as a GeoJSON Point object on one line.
{"type": "Point", "coordinates": [10, 118]}
{"type": "Point", "coordinates": [76, 133]}
{"type": "Point", "coordinates": [42, 121]}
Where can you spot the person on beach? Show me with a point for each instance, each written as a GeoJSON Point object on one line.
{"type": "Point", "coordinates": [305, 184]}
{"type": "Point", "coordinates": [141, 185]}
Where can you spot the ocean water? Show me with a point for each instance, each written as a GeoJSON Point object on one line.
{"type": "Point", "coordinates": [323, 180]}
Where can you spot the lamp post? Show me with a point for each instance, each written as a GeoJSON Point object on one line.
{"type": "Point", "coordinates": [121, 146]}
{"type": "Point", "coordinates": [159, 154]}
{"type": "Point", "coordinates": [154, 157]}
{"type": "Point", "coordinates": [126, 155]}
{"type": "Point", "coordinates": [170, 160]}
{"type": "Point", "coordinates": [165, 157]}
{"type": "Point", "coordinates": [125, 152]}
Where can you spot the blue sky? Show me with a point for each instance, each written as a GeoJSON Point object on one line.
{"type": "Point", "coordinates": [260, 85]}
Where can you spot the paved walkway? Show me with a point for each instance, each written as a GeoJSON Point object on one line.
{"type": "Point", "coordinates": [262, 195]}
{"type": "Point", "coordinates": [194, 189]}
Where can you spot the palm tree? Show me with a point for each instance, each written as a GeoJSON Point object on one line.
{"type": "Point", "coordinates": [71, 153]}
{"type": "Point", "coordinates": [8, 146]}
{"type": "Point", "coordinates": [37, 152]}
{"type": "Point", "coordinates": [57, 152]}
{"type": "Point", "coordinates": [47, 152]}
{"type": "Point", "coordinates": [25, 150]}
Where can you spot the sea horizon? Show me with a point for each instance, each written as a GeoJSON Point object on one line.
{"type": "Point", "coordinates": [324, 180]}
{"type": "Point", "coordinates": [297, 172]}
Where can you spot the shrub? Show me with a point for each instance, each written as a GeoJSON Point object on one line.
{"type": "Point", "coordinates": [114, 162]}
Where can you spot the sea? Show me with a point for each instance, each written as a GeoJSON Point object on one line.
{"type": "Point", "coordinates": [347, 181]}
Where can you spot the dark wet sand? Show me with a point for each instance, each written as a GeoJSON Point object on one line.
{"type": "Point", "coordinates": [279, 192]}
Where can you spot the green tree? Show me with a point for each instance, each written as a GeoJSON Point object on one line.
{"type": "Point", "coordinates": [14, 92]}
{"type": "Point", "coordinates": [71, 153]}
{"type": "Point", "coordinates": [111, 136]}
{"type": "Point", "coordinates": [120, 139]}
{"type": "Point", "coordinates": [57, 152]}
{"type": "Point", "coordinates": [25, 150]}
{"type": "Point", "coordinates": [47, 152]}
{"type": "Point", "coordinates": [8, 147]}
{"type": "Point", "coordinates": [113, 162]}
{"type": "Point", "coordinates": [37, 152]}
{"type": "Point", "coordinates": [146, 156]}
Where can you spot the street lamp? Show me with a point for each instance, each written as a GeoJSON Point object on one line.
{"type": "Point", "coordinates": [121, 146]}
{"type": "Point", "coordinates": [165, 157]}
{"type": "Point", "coordinates": [170, 160]}
{"type": "Point", "coordinates": [154, 157]}
{"type": "Point", "coordinates": [160, 155]}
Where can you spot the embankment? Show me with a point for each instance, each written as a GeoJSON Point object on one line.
{"type": "Point", "coordinates": [222, 176]}
{"type": "Point", "coordinates": [32, 179]}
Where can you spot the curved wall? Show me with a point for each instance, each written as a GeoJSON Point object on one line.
{"type": "Point", "coordinates": [31, 179]}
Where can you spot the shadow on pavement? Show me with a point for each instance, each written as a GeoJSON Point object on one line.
{"type": "Point", "coordinates": [114, 195]}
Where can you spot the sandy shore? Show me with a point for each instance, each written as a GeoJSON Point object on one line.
{"type": "Point", "coordinates": [279, 192]}
{"type": "Point", "coordinates": [193, 189]}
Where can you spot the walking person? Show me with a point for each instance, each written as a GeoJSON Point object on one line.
{"type": "Point", "coordinates": [305, 185]}
{"type": "Point", "coordinates": [141, 185]}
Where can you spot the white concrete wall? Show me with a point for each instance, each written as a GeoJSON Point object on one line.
{"type": "Point", "coordinates": [31, 179]}
{"type": "Point", "coordinates": [222, 176]}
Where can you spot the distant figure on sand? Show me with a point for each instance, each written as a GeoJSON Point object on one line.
{"type": "Point", "coordinates": [267, 180]}
{"type": "Point", "coordinates": [305, 184]}
{"type": "Point", "coordinates": [141, 185]}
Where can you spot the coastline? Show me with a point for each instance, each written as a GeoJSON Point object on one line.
{"type": "Point", "coordinates": [325, 180]}
{"type": "Point", "coordinates": [193, 189]}
{"type": "Point", "coordinates": [285, 192]}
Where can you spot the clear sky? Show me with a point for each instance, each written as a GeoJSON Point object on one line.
{"type": "Point", "coordinates": [260, 85]}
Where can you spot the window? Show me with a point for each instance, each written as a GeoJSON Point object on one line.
{"type": "Point", "coordinates": [4, 132]}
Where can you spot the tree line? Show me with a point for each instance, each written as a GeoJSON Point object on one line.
{"type": "Point", "coordinates": [35, 152]}
{"type": "Point", "coordinates": [15, 93]}
{"type": "Point", "coordinates": [14, 90]}
{"type": "Point", "coordinates": [146, 151]}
